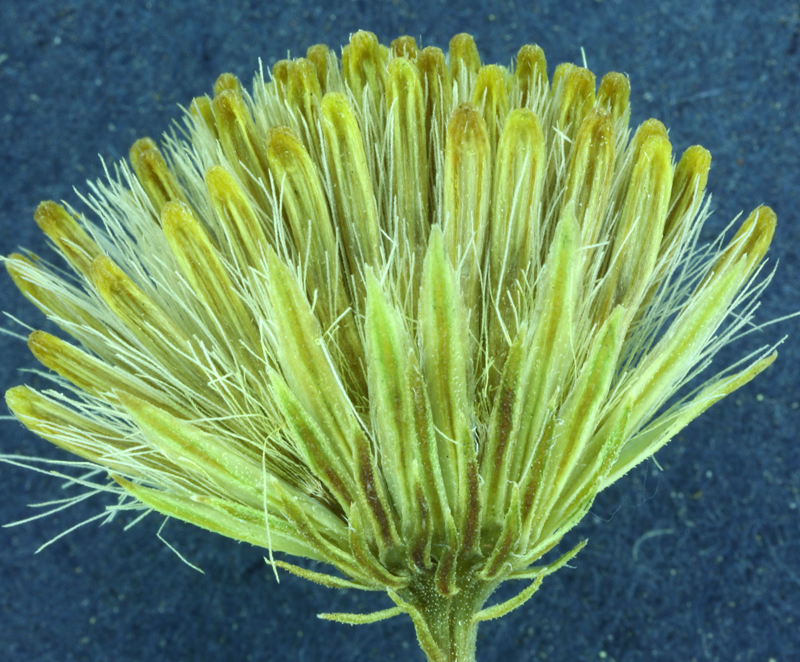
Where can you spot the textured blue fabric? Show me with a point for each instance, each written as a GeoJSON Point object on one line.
{"type": "Point", "coordinates": [698, 562]}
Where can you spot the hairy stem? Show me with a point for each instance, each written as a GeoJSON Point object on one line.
{"type": "Point", "coordinates": [446, 625]}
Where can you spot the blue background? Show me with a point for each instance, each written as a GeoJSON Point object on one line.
{"type": "Point", "coordinates": [720, 582]}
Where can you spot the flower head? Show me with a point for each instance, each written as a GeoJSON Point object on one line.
{"type": "Point", "coordinates": [397, 311]}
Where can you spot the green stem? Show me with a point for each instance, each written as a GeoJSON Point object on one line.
{"type": "Point", "coordinates": [446, 625]}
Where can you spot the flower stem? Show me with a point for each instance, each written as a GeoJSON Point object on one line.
{"type": "Point", "coordinates": [446, 625]}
